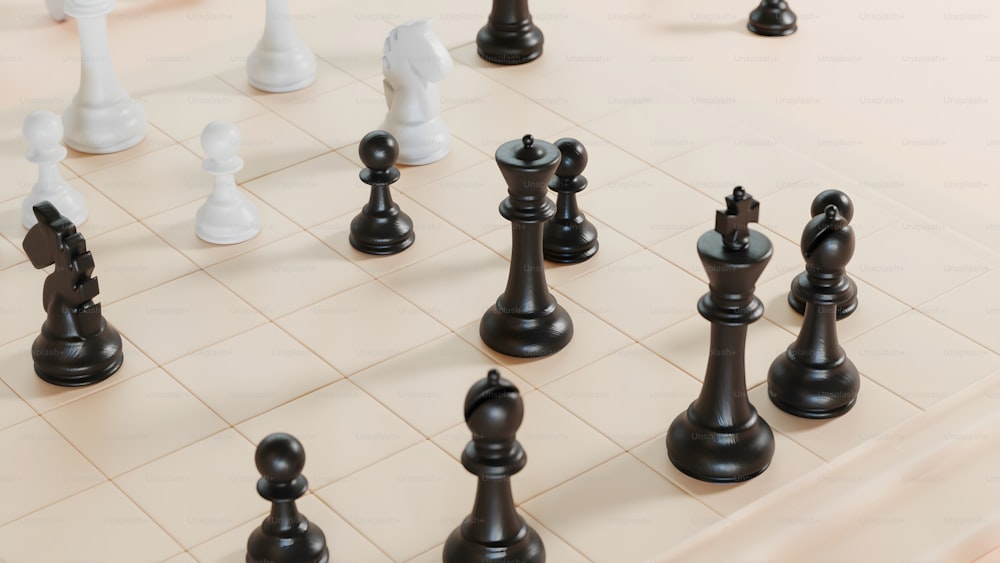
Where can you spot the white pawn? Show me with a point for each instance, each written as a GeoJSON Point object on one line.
{"type": "Point", "coordinates": [43, 131]}
{"type": "Point", "coordinates": [414, 61]}
{"type": "Point", "coordinates": [56, 11]}
{"type": "Point", "coordinates": [281, 62]}
{"type": "Point", "coordinates": [227, 217]}
{"type": "Point", "coordinates": [102, 117]}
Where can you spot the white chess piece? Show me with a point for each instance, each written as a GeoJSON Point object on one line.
{"type": "Point", "coordinates": [281, 62]}
{"type": "Point", "coordinates": [56, 11]}
{"type": "Point", "coordinates": [227, 217]}
{"type": "Point", "coordinates": [414, 61]}
{"type": "Point", "coordinates": [43, 131]}
{"type": "Point", "coordinates": [102, 117]}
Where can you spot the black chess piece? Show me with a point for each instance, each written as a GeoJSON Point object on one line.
{"type": "Point", "coordinates": [509, 36]}
{"type": "Point", "coordinates": [526, 321]}
{"type": "Point", "coordinates": [814, 378]}
{"type": "Point", "coordinates": [772, 18]}
{"type": "Point", "coordinates": [285, 536]}
{"type": "Point", "coordinates": [76, 346]}
{"type": "Point", "coordinates": [808, 282]}
{"type": "Point", "coordinates": [494, 531]}
{"type": "Point", "coordinates": [568, 236]}
{"type": "Point", "coordinates": [381, 228]}
{"type": "Point", "coordinates": [720, 438]}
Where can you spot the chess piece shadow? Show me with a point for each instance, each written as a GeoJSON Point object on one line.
{"type": "Point", "coordinates": [414, 60]}
{"type": "Point", "coordinates": [76, 346]}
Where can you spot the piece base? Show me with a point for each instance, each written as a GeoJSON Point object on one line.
{"type": "Point", "coordinates": [810, 392]}
{"type": "Point", "coordinates": [382, 235]}
{"type": "Point", "coordinates": [714, 456]}
{"type": "Point", "coordinates": [78, 362]}
{"type": "Point", "coordinates": [527, 549]}
{"type": "Point", "coordinates": [509, 47]}
{"type": "Point", "coordinates": [526, 337]}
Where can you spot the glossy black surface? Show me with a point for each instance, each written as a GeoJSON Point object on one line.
{"type": "Point", "coordinates": [381, 228]}
{"type": "Point", "coordinates": [568, 237]}
{"type": "Point", "coordinates": [509, 36]}
{"type": "Point", "coordinates": [720, 438]}
{"type": "Point", "coordinates": [802, 285]}
{"type": "Point", "coordinates": [772, 18]}
{"type": "Point", "coordinates": [76, 346]}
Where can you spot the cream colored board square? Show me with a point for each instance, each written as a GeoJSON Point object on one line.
{"type": "Point", "coordinates": [875, 307]}
{"type": "Point", "coordinates": [790, 462]}
{"type": "Point", "coordinates": [967, 310]}
{"type": "Point", "coordinates": [10, 255]}
{"type": "Point", "coordinates": [761, 168]}
{"type": "Point", "coordinates": [141, 419]}
{"type": "Point", "coordinates": [432, 236]}
{"type": "Point", "coordinates": [17, 371]}
{"type": "Point", "coordinates": [314, 191]}
{"type": "Point", "coordinates": [460, 157]}
{"type": "Point", "coordinates": [339, 117]}
{"type": "Point", "coordinates": [12, 408]}
{"type": "Point", "coordinates": [687, 344]}
{"type": "Point", "coordinates": [251, 373]}
{"type": "Point", "coordinates": [181, 316]}
{"type": "Point", "coordinates": [639, 294]}
{"type": "Point", "coordinates": [559, 446]}
{"type": "Point", "coordinates": [177, 228]}
{"type": "Point", "coordinates": [328, 77]}
{"type": "Point", "coordinates": [21, 301]}
{"type": "Point", "coordinates": [201, 491]}
{"type": "Point", "coordinates": [184, 110]}
{"type": "Point", "coordinates": [456, 286]}
{"type": "Point", "coordinates": [347, 51]}
{"type": "Point", "coordinates": [84, 164]}
{"type": "Point", "coordinates": [469, 200]}
{"type": "Point", "coordinates": [660, 207]}
{"type": "Point", "coordinates": [361, 327]}
{"type": "Point", "coordinates": [133, 259]}
{"type": "Point", "coordinates": [102, 215]}
{"type": "Point", "coordinates": [912, 354]}
{"type": "Point", "coordinates": [502, 116]}
{"type": "Point", "coordinates": [268, 144]}
{"type": "Point", "coordinates": [86, 524]}
{"type": "Point", "coordinates": [592, 340]}
{"type": "Point", "coordinates": [876, 411]}
{"type": "Point", "coordinates": [288, 274]}
{"type": "Point", "coordinates": [449, 21]}
{"type": "Point", "coordinates": [678, 128]}
{"type": "Point", "coordinates": [611, 247]}
{"type": "Point", "coordinates": [628, 396]}
{"type": "Point", "coordinates": [620, 511]}
{"type": "Point", "coordinates": [326, 421]}
{"type": "Point", "coordinates": [154, 182]}
{"type": "Point", "coordinates": [407, 503]}
{"type": "Point", "coordinates": [891, 259]}
{"type": "Point", "coordinates": [606, 161]}
{"type": "Point", "coordinates": [426, 386]}
{"type": "Point", "coordinates": [181, 558]}
{"type": "Point", "coordinates": [787, 211]}
{"type": "Point", "coordinates": [53, 470]}
{"type": "Point", "coordinates": [345, 544]}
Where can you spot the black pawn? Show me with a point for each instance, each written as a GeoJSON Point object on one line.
{"type": "Point", "coordinates": [772, 18]}
{"type": "Point", "coordinates": [569, 237]}
{"type": "Point", "coordinates": [494, 531]}
{"type": "Point", "coordinates": [286, 536]}
{"type": "Point", "coordinates": [76, 346]}
{"type": "Point", "coordinates": [381, 228]}
{"type": "Point", "coordinates": [509, 36]}
{"type": "Point", "coordinates": [720, 438]}
{"type": "Point", "coordinates": [526, 321]}
{"type": "Point", "coordinates": [809, 282]}
{"type": "Point", "coordinates": [814, 378]}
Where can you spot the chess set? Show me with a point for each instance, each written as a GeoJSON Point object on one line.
{"type": "Point", "coordinates": [680, 335]}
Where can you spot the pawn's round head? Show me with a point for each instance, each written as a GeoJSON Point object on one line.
{"type": "Point", "coordinates": [42, 129]}
{"type": "Point", "coordinates": [220, 140]}
{"type": "Point", "coordinates": [494, 409]}
{"type": "Point", "coordinates": [378, 150]}
{"type": "Point", "coordinates": [832, 197]}
{"type": "Point", "coordinates": [828, 242]}
{"type": "Point", "coordinates": [574, 157]}
{"type": "Point", "coordinates": [280, 458]}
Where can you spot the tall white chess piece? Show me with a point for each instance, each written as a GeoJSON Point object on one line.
{"type": "Point", "coordinates": [228, 216]}
{"type": "Point", "coordinates": [414, 61]}
{"type": "Point", "coordinates": [43, 131]}
{"type": "Point", "coordinates": [102, 117]}
{"type": "Point", "coordinates": [281, 62]}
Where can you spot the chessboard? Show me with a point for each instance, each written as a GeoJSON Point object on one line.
{"type": "Point", "coordinates": [367, 359]}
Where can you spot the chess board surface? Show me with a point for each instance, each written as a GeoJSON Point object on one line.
{"type": "Point", "coordinates": [367, 359]}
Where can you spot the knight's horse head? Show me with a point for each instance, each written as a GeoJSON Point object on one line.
{"type": "Point", "coordinates": [412, 49]}
{"type": "Point", "coordinates": [44, 242]}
